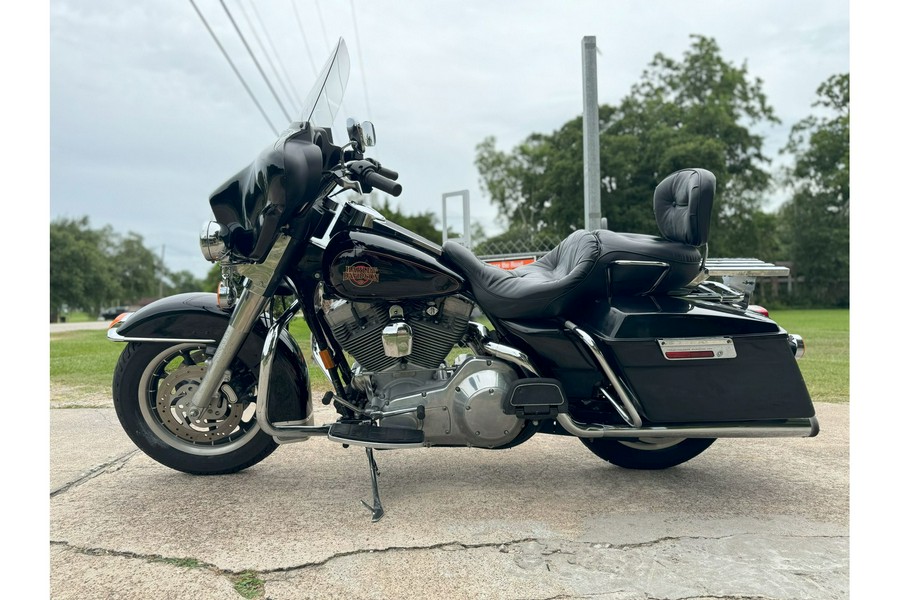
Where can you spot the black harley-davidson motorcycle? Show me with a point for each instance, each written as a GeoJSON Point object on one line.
{"type": "Point", "coordinates": [622, 340]}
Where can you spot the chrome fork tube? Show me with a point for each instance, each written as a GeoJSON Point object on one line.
{"type": "Point", "coordinates": [253, 300]}
{"type": "Point", "coordinates": [248, 308]}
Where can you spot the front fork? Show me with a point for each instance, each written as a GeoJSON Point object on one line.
{"type": "Point", "coordinates": [247, 310]}
{"type": "Point", "coordinates": [260, 282]}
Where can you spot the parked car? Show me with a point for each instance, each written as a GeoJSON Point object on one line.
{"type": "Point", "coordinates": [113, 312]}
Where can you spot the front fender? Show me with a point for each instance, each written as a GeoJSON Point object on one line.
{"type": "Point", "coordinates": [196, 317]}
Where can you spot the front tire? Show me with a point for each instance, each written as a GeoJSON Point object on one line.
{"type": "Point", "coordinates": [151, 386]}
{"type": "Point", "coordinates": [647, 454]}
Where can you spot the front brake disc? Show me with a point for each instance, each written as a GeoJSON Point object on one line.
{"type": "Point", "coordinates": [173, 399]}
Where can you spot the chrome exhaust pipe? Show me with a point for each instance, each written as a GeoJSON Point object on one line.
{"type": "Point", "coordinates": [759, 429]}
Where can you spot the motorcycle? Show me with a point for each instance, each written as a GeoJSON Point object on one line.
{"type": "Point", "coordinates": [622, 340]}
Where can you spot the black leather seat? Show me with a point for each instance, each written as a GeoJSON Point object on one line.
{"type": "Point", "coordinates": [545, 288]}
{"type": "Point", "coordinates": [597, 264]}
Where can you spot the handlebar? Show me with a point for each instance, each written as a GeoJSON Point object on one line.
{"type": "Point", "coordinates": [375, 176]}
{"type": "Point", "coordinates": [388, 173]}
{"type": "Point", "coordinates": [383, 183]}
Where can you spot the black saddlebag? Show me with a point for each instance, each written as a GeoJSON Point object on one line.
{"type": "Point", "coordinates": [692, 363]}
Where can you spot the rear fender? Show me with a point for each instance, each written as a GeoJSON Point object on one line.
{"type": "Point", "coordinates": [196, 317]}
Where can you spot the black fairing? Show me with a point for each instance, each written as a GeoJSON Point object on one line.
{"type": "Point", "coordinates": [282, 182]}
{"type": "Point", "coordinates": [197, 316]}
{"type": "Point", "coordinates": [363, 265]}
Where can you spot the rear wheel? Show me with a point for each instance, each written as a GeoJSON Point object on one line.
{"type": "Point", "coordinates": [647, 453]}
{"type": "Point", "coordinates": [152, 387]}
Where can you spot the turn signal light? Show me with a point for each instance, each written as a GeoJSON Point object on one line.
{"type": "Point", "coordinates": [118, 320]}
{"type": "Point", "coordinates": [758, 309]}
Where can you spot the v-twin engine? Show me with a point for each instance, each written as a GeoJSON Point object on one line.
{"type": "Point", "coordinates": [463, 404]}
{"type": "Point", "coordinates": [382, 335]}
{"type": "Point", "coordinates": [400, 349]}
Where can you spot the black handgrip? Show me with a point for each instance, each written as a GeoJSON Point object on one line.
{"type": "Point", "coordinates": [393, 175]}
{"type": "Point", "coordinates": [383, 183]}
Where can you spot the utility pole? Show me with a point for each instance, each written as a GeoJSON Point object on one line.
{"type": "Point", "coordinates": [591, 134]}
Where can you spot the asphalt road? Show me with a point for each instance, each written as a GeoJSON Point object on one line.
{"type": "Point", "coordinates": [748, 519]}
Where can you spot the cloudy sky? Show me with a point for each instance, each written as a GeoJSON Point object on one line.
{"type": "Point", "coordinates": [147, 117]}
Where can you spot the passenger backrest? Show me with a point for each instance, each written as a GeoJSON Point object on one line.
{"type": "Point", "coordinates": [682, 204]}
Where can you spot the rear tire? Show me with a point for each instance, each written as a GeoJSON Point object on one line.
{"type": "Point", "coordinates": [648, 454]}
{"type": "Point", "coordinates": [151, 385]}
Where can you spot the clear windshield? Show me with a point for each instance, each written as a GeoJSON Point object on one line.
{"type": "Point", "coordinates": [324, 99]}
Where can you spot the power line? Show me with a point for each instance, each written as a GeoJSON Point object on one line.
{"type": "Point", "coordinates": [256, 62]}
{"type": "Point", "coordinates": [322, 23]}
{"type": "Point", "coordinates": [359, 54]}
{"type": "Point", "coordinates": [312, 63]}
{"type": "Point", "coordinates": [234, 68]}
{"type": "Point", "coordinates": [287, 74]}
{"type": "Point", "coordinates": [264, 51]}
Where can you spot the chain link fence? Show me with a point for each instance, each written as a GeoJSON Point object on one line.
{"type": "Point", "coordinates": [792, 290]}
{"type": "Point", "coordinates": [533, 245]}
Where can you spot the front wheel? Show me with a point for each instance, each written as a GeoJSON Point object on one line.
{"type": "Point", "coordinates": [647, 453]}
{"type": "Point", "coordinates": [152, 385]}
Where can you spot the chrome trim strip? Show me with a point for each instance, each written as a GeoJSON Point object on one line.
{"type": "Point", "coordinates": [323, 241]}
{"type": "Point", "coordinates": [627, 410]}
{"type": "Point", "coordinates": [115, 337]}
{"type": "Point", "coordinates": [641, 263]}
{"type": "Point", "coordinates": [788, 428]}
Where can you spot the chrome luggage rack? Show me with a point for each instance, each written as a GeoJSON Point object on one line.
{"type": "Point", "coordinates": [738, 277]}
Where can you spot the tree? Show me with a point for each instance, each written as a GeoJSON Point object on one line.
{"type": "Point", "coordinates": [138, 269]}
{"type": "Point", "coordinates": [81, 272]}
{"type": "Point", "coordinates": [816, 220]}
{"type": "Point", "coordinates": [697, 112]}
{"type": "Point", "coordinates": [93, 268]}
{"type": "Point", "coordinates": [184, 281]}
{"type": "Point", "coordinates": [425, 224]}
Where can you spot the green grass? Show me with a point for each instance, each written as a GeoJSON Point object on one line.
{"type": "Point", "coordinates": [826, 364]}
{"type": "Point", "coordinates": [85, 360]}
{"type": "Point", "coordinates": [248, 584]}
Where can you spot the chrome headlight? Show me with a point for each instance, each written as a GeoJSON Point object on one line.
{"type": "Point", "coordinates": [212, 242]}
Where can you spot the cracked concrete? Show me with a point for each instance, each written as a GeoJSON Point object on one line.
{"type": "Point", "coordinates": [748, 519]}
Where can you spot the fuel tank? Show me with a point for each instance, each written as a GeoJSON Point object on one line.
{"type": "Point", "coordinates": [365, 266]}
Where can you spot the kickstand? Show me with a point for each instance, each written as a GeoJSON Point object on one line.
{"type": "Point", "coordinates": [377, 510]}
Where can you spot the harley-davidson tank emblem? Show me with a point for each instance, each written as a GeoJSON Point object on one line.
{"type": "Point", "coordinates": [360, 274]}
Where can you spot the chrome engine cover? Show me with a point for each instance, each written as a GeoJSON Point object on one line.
{"type": "Point", "coordinates": [463, 404]}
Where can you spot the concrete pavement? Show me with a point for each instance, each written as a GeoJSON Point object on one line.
{"type": "Point", "coordinates": [746, 519]}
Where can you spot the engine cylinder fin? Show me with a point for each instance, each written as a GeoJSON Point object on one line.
{"type": "Point", "coordinates": [437, 325]}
